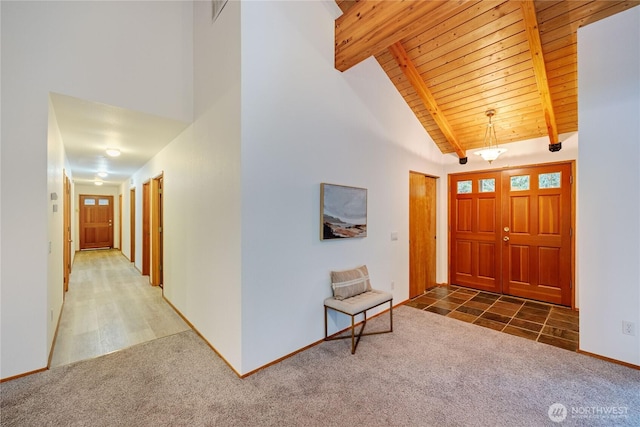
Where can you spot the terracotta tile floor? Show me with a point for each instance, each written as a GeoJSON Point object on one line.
{"type": "Point", "coordinates": [545, 323]}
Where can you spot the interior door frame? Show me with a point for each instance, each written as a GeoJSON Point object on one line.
{"type": "Point", "coordinates": [132, 224]}
{"type": "Point", "coordinates": [157, 229]}
{"type": "Point", "coordinates": [120, 222]}
{"type": "Point", "coordinates": [572, 163]}
{"type": "Point", "coordinates": [146, 228]}
{"type": "Point", "coordinates": [422, 275]}
{"type": "Point", "coordinates": [66, 231]}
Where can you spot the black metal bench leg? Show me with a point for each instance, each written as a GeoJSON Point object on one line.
{"type": "Point", "coordinates": [353, 346]}
{"type": "Point", "coordinates": [325, 324]}
{"type": "Point", "coordinates": [364, 322]}
{"type": "Point", "coordinates": [355, 340]}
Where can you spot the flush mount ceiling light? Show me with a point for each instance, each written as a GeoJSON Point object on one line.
{"type": "Point", "coordinates": [491, 150]}
{"type": "Point", "coordinates": [98, 182]}
{"type": "Point", "coordinates": [113, 152]}
{"type": "Point", "coordinates": [102, 174]}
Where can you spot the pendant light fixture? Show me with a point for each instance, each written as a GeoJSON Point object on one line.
{"type": "Point", "coordinates": [491, 150]}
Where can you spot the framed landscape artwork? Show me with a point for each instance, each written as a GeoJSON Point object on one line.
{"type": "Point", "coordinates": [343, 212]}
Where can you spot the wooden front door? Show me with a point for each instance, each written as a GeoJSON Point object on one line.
{"type": "Point", "coordinates": [511, 232]}
{"type": "Point", "coordinates": [96, 222]}
{"type": "Point", "coordinates": [422, 233]}
{"type": "Point", "coordinates": [475, 237]}
{"type": "Point", "coordinates": [536, 256]}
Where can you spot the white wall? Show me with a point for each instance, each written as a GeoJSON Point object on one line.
{"type": "Point", "coordinates": [304, 123]}
{"type": "Point", "coordinates": [609, 203]}
{"type": "Point", "coordinates": [209, 248]}
{"type": "Point", "coordinates": [201, 192]}
{"type": "Point", "coordinates": [55, 214]}
{"type": "Point", "coordinates": [136, 55]}
{"type": "Point", "coordinates": [528, 152]}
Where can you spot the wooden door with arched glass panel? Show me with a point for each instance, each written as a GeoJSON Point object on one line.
{"type": "Point", "coordinates": [96, 221]}
{"type": "Point", "coordinates": [511, 232]}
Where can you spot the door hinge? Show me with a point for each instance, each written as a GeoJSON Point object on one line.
{"type": "Point", "coordinates": [571, 232]}
{"type": "Point", "coordinates": [160, 229]}
{"type": "Point", "coordinates": [160, 267]}
{"type": "Point", "coordinates": [570, 179]}
{"type": "Point", "coordinates": [159, 190]}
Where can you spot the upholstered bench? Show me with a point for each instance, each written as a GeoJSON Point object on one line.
{"type": "Point", "coordinates": [353, 295]}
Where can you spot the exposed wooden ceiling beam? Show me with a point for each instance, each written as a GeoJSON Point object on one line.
{"type": "Point", "coordinates": [370, 26]}
{"type": "Point", "coordinates": [540, 71]}
{"type": "Point", "coordinates": [413, 75]}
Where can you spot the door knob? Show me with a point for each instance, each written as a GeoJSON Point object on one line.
{"type": "Point", "coordinates": [506, 229]}
{"type": "Point", "coordinates": [505, 238]}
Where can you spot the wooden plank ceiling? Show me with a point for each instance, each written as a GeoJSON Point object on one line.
{"type": "Point", "coordinates": [453, 60]}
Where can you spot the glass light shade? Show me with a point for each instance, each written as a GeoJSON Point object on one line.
{"type": "Point", "coordinates": [491, 151]}
{"type": "Point", "coordinates": [98, 182]}
{"type": "Point", "coordinates": [102, 174]}
{"type": "Point", "coordinates": [113, 152]}
{"type": "Point", "coordinates": [490, 154]}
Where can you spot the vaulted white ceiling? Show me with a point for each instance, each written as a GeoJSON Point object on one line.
{"type": "Point", "coordinates": [88, 128]}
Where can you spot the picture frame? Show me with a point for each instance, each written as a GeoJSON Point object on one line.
{"type": "Point", "coordinates": [343, 212]}
{"type": "Point", "coordinates": [216, 8]}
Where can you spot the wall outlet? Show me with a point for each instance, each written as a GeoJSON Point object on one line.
{"type": "Point", "coordinates": [628, 328]}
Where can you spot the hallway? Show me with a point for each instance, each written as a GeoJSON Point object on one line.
{"type": "Point", "coordinates": [110, 306]}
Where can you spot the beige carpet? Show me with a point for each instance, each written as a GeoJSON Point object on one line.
{"type": "Point", "coordinates": [432, 371]}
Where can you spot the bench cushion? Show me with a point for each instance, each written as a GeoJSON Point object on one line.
{"type": "Point", "coordinates": [359, 303]}
{"type": "Point", "coordinates": [347, 283]}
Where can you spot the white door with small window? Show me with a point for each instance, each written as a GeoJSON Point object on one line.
{"type": "Point", "coordinates": [511, 232]}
